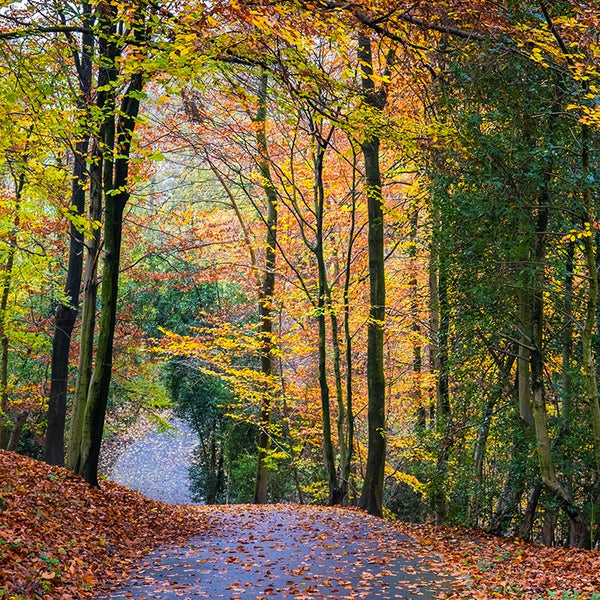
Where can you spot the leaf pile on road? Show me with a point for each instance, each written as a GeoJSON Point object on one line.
{"type": "Point", "coordinates": [506, 568]}
{"type": "Point", "coordinates": [59, 537]}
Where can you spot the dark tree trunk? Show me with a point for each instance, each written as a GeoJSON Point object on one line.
{"type": "Point", "coordinates": [66, 316]}
{"type": "Point", "coordinates": [100, 175]}
{"type": "Point", "coordinates": [530, 510]}
{"type": "Point", "coordinates": [15, 435]}
{"type": "Point", "coordinates": [372, 494]}
{"type": "Point", "coordinates": [67, 311]}
{"type": "Point", "coordinates": [266, 298]}
{"type": "Point", "coordinates": [443, 413]}
{"type": "Point", "coordinates": [347, 465]}
{"type": "Point", "coordinates": [115, 198]}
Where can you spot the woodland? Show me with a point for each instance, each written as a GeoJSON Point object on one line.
{"type": "Point", "coordinates": [354, 244]}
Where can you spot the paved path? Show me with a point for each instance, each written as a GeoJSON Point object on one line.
{"type": "Point", "coordinates": [287, 552]}
{"type": "Point", "coordinates": [157, 464]}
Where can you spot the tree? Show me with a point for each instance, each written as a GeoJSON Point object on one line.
{"type": "Point", "coordinates": [67, 311]}
{"type": "Point", "coordinates": [372, 494]}
{"type": "Point", "coordinates": [116, 135]}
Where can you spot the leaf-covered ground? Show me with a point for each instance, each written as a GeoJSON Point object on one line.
{"type": "Point", "coordinates": [61, 540]}
{"type": "Point", "coordinates": [509, 568]}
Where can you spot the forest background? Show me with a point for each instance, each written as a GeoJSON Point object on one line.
{"type": "Point", "coordinates": [354, 244]}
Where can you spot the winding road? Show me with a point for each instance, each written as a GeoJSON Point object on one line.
{"type": "Point", "coordinates": [276, 552]}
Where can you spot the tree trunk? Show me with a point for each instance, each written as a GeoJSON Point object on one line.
{"type": "Point", "coordinates": [530, 510]}
{"type": "Point", "coordinates": [321, 309]}
{"type": "Point", "coordinates": [99, 385]}
{"type": "Point", "coordinates": [67, 311]}
{"type": "Point", "coordinates": [347, 464]}
{"type": "Point", "coordinates": [417, 353]}
{"type": "Point", "coordinates": [88, 319]}
{"type": "Point", "coordinates": [100, 174]}
{"type": "Point", "coordinates": [567, 352]}
{"type": "Point", "coordinates": [115, 197]}
{"type": "Point", "coordinates": [266, 298]}
{"type": "Point", "coordinates": [589, 360]}
{"type": "Point", "coordinates": [341, 489]}
{"type": "Point", "coordinates": [547, 469]}
{"type": "Point", "coordinates": [6, 279]}
{"type": "Point", "coordinates": [15, 435]}
{"type": "Point", "coordinates": [372, 494]}
{"type": "Point", "coordinates": [443, 413]}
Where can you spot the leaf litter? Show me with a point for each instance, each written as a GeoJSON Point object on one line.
{"type": "Point", "coordinates": [61, 539]}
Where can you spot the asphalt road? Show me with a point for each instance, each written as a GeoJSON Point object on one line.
{"type": "Point", "coordinates": [288, 552]}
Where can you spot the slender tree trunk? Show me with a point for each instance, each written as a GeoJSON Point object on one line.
{"type": "Point", "coordinates": [434, 311]}
{"type": "Point", "coordinates": [15, 435]}
{"type": "Point", "coordinates": [567, 354]}
{"type": "Point", "coordinates": [443, 409]}
{"type": "Point", "coordinates": [67, 311]}
{"type": "Point", "coordinates": [88, 319]}
{"type": "Point", "coordinates": [417, 353]}
{"type": "Point", "coordinates": [328, 450]}
{"type": "Point", "coordinates": [372, 494]}
{"type": "Point", "coordinates": [99, 385]}
{"type": "Point", "coordinates": [66, 315]}
{"type": "Point", "coordinates": [266, 297]}
{"type": "Point", "coordinates": [347, 464]}
{"type": "Point", "coordinates": [341, 488]}
{"type": "Point", "coordinates": [6, 276]}
{"type": "Point", "coordinates": [589, 360]}
{"type": "Point", "coordinates": [530, 510]}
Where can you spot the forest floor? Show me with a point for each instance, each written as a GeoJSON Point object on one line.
{"type": "Point", "coordinates": [61, 540]}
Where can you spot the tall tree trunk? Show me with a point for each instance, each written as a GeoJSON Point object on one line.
{"type": "Point", "coordinates": [266, 297]}
{"type": "Point", "coordinates": [6, 275]}
{"type": "Point", "coordinates": [567, 352]}
{"type": "Point", "coordinates": [540, 417]}
{"type": "Point", "coordinates": [341, 489]}
{"type": "Point", "coordinates": [504, 369]}
{"type": "Point", "coordinates": [589, 360]}
{"type": "Point", "coordinates": [417, 353]}
{"type": "Point", "coordinates": [371, 498]}
{"type": "Point", "coordinates": [100, 174]}
{"type": "Point", "coordinates": [88, 319]}
{"type": "Point", "coordinates": [67, 311]}
{"type": "Point", "coordinates": [116, 195]}
{"type": "Point", "coordinates": [347, 464]}
{"type": "Point", "coordinates": [321, 309]}
{"type": "Point", "coordinates": [443, 413]}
